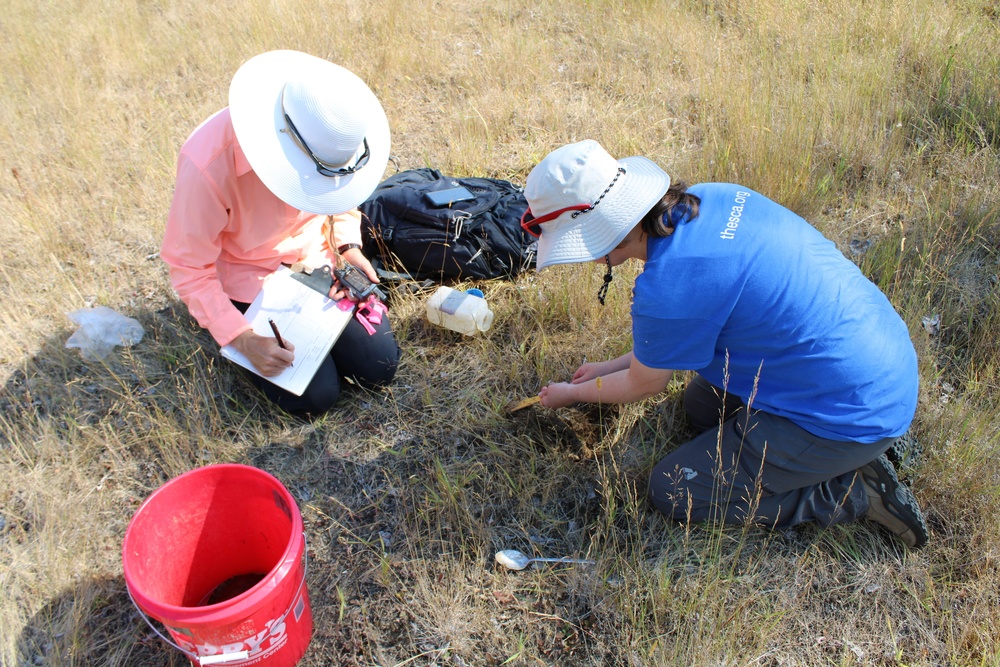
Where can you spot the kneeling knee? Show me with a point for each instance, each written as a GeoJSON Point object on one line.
{"type": "Point", "coordinates": [670, 498]}
{"type": "Point", "coordinates": [378, 373]}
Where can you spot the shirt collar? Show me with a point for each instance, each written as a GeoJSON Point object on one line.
{"type": "Point", "coordinates": [242, 164]}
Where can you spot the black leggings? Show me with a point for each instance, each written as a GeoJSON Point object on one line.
{"type": "Point", "coordinates": [369, 360]}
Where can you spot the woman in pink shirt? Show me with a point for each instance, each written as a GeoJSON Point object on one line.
{"type": "Point", "coordinates": [301, 144]}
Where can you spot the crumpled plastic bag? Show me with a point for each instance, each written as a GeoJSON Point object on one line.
{"type": "Point", "coordinates": [101, 329]}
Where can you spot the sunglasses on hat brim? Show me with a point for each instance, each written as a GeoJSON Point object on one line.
{"type": "Point", "coordinates": [533, 225]}
{"type": "Point", "coordinates": [325, 168]}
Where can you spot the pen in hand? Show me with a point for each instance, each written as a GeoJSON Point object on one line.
{"type": "Point", "coordinates": [277, 336]}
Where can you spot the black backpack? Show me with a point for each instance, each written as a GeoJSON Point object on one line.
{"type": "Point", "coordinates": [480, 238]}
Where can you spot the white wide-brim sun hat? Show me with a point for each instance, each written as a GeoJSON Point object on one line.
{"type": "Point", "coordinates": [334, 112]}
{"type": "Point", "coordinates": [585, 175]}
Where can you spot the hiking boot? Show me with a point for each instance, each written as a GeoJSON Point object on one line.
{"type": "Point", "coordinates": [892, 504]}
{"type": "Point", "coordinates": [905, 453]}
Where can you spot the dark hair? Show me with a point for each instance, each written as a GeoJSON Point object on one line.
{"type": "Point", "coordinates": [677, 206]}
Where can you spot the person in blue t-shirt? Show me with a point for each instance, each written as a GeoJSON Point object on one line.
{"type": "Point", "coordinates": [805, 374]}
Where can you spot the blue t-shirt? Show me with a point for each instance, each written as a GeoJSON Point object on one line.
{"type": "Point", "coordinates": [757, 301]}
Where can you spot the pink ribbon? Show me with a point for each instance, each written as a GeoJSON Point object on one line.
{"type": "Point", "coordinates": [370, 312]}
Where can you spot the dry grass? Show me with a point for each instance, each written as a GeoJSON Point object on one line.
{"type": "Point", "coordinates": [879, 121]}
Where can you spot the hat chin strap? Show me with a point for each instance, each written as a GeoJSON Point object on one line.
{"type": "Point", "coordinates": [602, 293]}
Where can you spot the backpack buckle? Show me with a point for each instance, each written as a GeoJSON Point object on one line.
{"type": "Point", "coordinates": [460, 224]}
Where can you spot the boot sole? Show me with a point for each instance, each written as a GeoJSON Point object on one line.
{"type": "Point", "coordinates": [896, 497]}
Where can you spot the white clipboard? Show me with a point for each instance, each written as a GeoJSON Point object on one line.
{"type": "Point", "coordinates": [305, 317]}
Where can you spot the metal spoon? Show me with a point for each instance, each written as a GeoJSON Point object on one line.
{"type": "Point", "coordinates": [515, 560]}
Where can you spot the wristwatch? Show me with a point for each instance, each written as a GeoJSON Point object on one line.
{"type": "Point", "coordinates": [347, 246]}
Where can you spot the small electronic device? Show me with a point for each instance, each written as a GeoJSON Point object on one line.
{"type": "Point", "coordinates": [357, 282]}
{"type": "Point", "coordinates": [442, 198]}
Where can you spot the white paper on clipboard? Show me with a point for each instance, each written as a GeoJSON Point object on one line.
{"type": "Point", "coordinates": [309, 320]}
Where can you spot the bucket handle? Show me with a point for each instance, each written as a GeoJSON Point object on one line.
{"type": "Point", "coordinates": [237, 655]}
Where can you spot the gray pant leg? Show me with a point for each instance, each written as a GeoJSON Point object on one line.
{"type": "Point", "coordinates": [765, 469]}
{"type": "Point", "coordinates": [703, 403]}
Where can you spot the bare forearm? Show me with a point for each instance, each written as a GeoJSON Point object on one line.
{"type": "Point", "coordinates": [614, 388]}
{"type": "Point", "coordinates": [619, 364]}
{"type": "Point", "coordinates": [624, 386]}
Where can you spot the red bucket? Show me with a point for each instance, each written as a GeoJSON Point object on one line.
{"type": "Point", "coordinates": [216, 555]}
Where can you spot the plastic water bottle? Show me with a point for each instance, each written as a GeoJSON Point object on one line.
{"type": "Point", "coordinates": [464, 312]}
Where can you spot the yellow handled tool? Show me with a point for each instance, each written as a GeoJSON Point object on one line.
{"type": "Point", "coordinates": [514, 406]}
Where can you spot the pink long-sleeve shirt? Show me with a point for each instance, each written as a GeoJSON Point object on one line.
{"type": "Point", "coordinates": [226, 231]}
